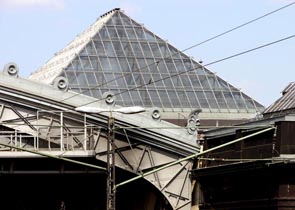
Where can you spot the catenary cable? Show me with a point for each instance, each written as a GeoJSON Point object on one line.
{"type": "Point", "coordinates": [186, 49]}
{"type": "Point", "coordinates": [208, 64]}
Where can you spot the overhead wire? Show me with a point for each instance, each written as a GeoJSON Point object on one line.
{"type": "Point", "coordinates": [192, 69]}
{"type": "Point", "coordinates": [186, 49]}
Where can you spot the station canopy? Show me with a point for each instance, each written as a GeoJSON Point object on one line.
{"type": "Point", "coordinates": [118, 54]}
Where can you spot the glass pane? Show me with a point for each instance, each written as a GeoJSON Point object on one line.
{"type": "Point", "coordinates": [152, 65]}
{"type": "Point", "coordinates": [156, 50]}
{"type": "Point", "coordinates": [86, 91]}
{"type": "Point", "coordinates": [70, 67]}
{"type": "Point", "coordinates": [83, 52]}
{"type": "Point", "coordinates": [115, 65]}
{"type": "Point", "coordinates": [185, 81]}
{"type": "Point", "coordinates": [100, 79]}
{"type": "Point", "coordinates": [130, 33]}
{"type": "Point", "coordinates": [164, 50]}
{"type": "Point", "coordinates": [76, 64]}
{"type": "Point", "coordinates": [116, 20]}
{"type": "Point", "coordinates": [155, 98]}
{"type": "Point", "coordinates": [121, 33]}
{"type": "Point", "coordinates": [158, 80]}
{"type": "Point", "coordinates": [149, 36]}
{"type": "Point", "coordinates": [179, 65]}
{"type": "Point", "coordinates": [198, 69]}
{"type": "Point", "coordinates": [133, 65]}
{"type": "Point", "coordinates": [91, 78]}
{"type": "Point", "coordinates": [223, 84]}
{"type": "Point", "coordinates": [112, 33]}
{"type": "Point", "coordinates": [239, 100]}
{"type": "Point", "coordinates": [142, 64]}
{"type": "Point", "coordinates": [138, 79]}
{"type": "Point", "coordinates": [124, 65]}
{"type": "Point", "coordinates": [174, 52]}
{"type": "Point", "coordinates": [109, 49]}
{"type": "Point", "coordinates": [202, 99]}
{"type": "Point", "coordinates": [136, 97]}
{"type": "Point", "coordinates": [110, 80]}
{"type": "Point", "coordinates": [90, 49]}
{"type": "Point", "coordinates": [170, 65]}
{"type": "Point", "coordinates": [145, 98]}
{"type": "Point", "coordinates": [230, 100]}
{"type": "Point", "coordinates": [103, 33]}
{"type": "Point", "coordinates": [137, 50]}
{"type": "Point", "coordinates": [120, 81]}
{"type": "Point", "coordinates": [204, 82]}
{"type": "Point", "coordinates": [71, 76]}
{"type": "Point", "coordinates": [220, 99]}
{"type": "Point", "coordinates": [167, 81]}
{"type": "Point", "coordinates": [173, 97]}
{"type": "Point", "coordinates": [82, 80]}
{"type": "Point", "coordinates": [211, 99]}
{"type": "Point", "coordinates": [118, 48]}
{"type": "Point", "coordinates": [99, 48]}
{"type": "Point", "coordinates": [195, 82]}
{"type": "Point", "coordinates": [147, 78]}
{"type": "Point", "coordinates": [162, 67]}
{"type": "Point", "coordinates": [164, 98]}
{"type": "Point", "coordinates": [146, 50]}
{"type": "Point", "coordinates": [127, 49]}
{"type": "Point", "coordinates": [105, 64]}
{"type": "Point", "coordinates": [95, 64]}
{"type": "Point", "coordinates": [125, 20]}
{"type": "Point", "coordinates": [183, 98]}
{"type": "Point", "coordinates": [129, 79]}
{"type": "Point", "coordinates": [86, 63]}
{"type": "Point", "coordinates": [177, 82]}
{"type": "Point", "coordinates": [140, 33]}
{"type": "Point", "coordinates": [188, 65]}
{"type": "Point", "coordinates": [193, 99]}
{"type": "Point", "coordinates": [126, 97]}
{"type": "Point", "coordinates": [213, 82]}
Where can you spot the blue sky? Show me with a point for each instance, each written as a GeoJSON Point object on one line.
{"type": "Point", "coordinates": [33, 30]}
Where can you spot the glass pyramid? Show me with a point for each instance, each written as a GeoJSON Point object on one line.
{"type": "Point", "coordinates": [120, 55]}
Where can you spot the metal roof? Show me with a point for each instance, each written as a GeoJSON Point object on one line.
{"type": "Point", "coordinates": [286, 102]}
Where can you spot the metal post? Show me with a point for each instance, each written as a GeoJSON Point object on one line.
{"type": "Point", "coordinates": [61, 132]}
{"type": "Point", "coordinates": [191, 156]}
{"type": "Point", "coordinates": [85, 133]}
{"type": "Point", "coordinates": [111, 194]}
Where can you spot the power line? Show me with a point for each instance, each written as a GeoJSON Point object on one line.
{"type": "Point", "coordinates": [186, 49]}
{"type": "Point", "coordinates": [240, 26]}
{"type": "Point", "coordinates": [208, 64]}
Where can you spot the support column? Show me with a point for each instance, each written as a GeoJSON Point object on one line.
{"type": "Point", "coordinates": [111, 194]}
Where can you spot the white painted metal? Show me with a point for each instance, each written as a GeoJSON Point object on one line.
{"type": "Point", "coordinates": [54, 127]}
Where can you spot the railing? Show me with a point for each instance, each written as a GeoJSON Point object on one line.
{"type": "Point", "coordinates": [52, 132]}
{"type": "Point", "coordinates": [83, 140]}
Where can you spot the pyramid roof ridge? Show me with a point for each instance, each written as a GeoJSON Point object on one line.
{"type": "Point", "coordinates": [54, 66]}
{"type": "Point", "coordinates": [115, 45]}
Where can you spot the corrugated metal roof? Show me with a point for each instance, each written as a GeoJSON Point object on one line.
{"type": "Point", "coordinates": [287, 101]}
